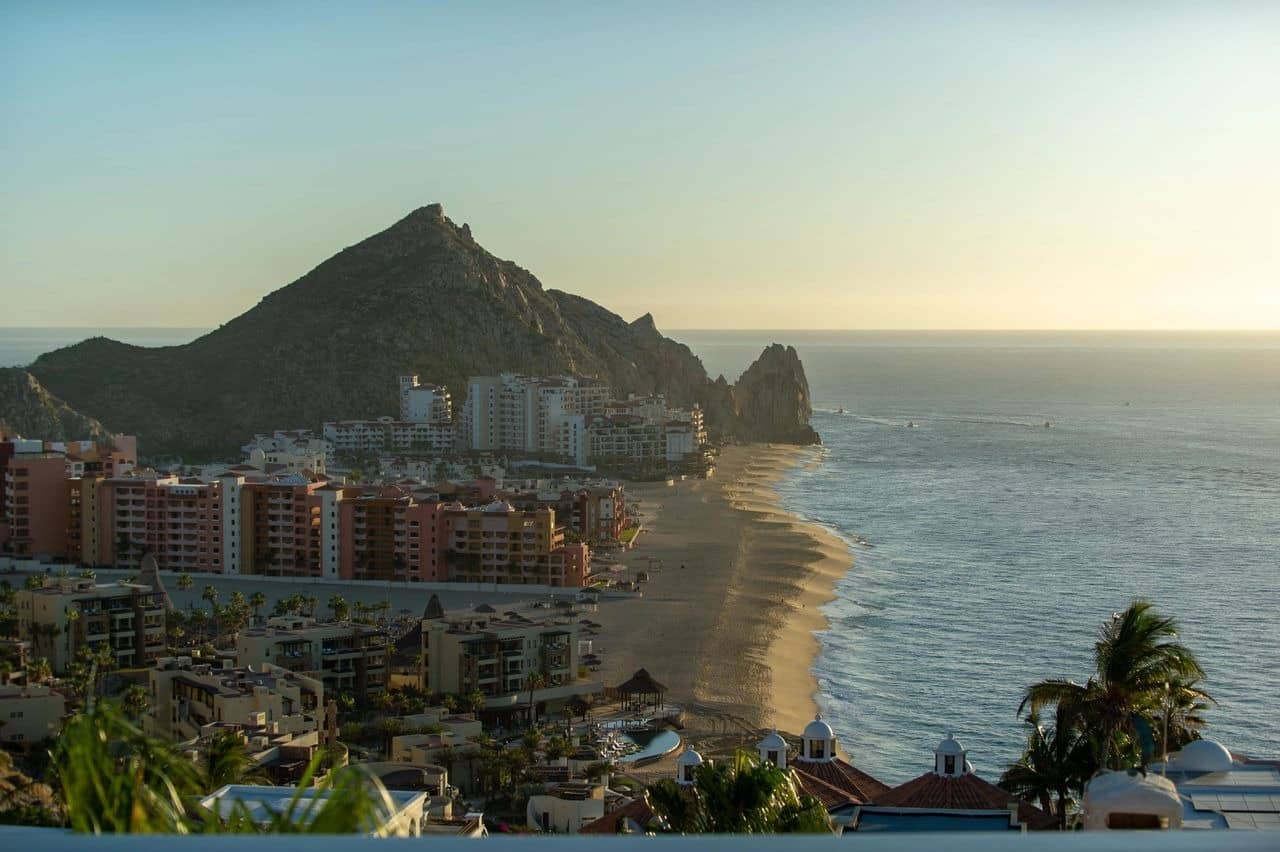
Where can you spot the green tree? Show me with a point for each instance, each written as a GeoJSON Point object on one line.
{"type": "Point", "coordinates": [257, 600]}
{"type": "Point", "coordinates": [1054, 766]}
{"type": "Point", "coordinates": [1135, 656]}
{"type": "Point", "coordinates": [533, 682]}
{"type": "Point", "coordinates": [185, 582]}
{"type": "Point", "coordinates": [210, 596]}
{"type": "Point", "coordinates": [226, 760]}
{"type": "Point", "coordinates": [742, 796]}
{"type": "Point", "coordinates": [339, 607]}
{"type": "Point", "coordinates": [136, 701]}
{"type": "Point", "coordinates": [39, 670]}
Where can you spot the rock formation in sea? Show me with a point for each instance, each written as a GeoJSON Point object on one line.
{"type": "Point", "coordinates": [420, 297]}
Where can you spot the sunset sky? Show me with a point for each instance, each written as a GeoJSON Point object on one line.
{"type": "Point", "coordinates": [752, 165]}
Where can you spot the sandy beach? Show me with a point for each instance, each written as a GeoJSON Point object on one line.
{"type": "Point", "coordinates": [728, 620]}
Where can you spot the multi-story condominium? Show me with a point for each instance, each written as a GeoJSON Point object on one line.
{"type": "Point", "coordinates": [593, 513]}
{"type": "Point", "coordinates": [499, 543]}
{"type": "Point", "coordinates": [188, 696]}
{"type": "Point", "coordinates": [350, 659]}
{"type": "Point", "coordinates": [179, 521]}
{"type": "Point", "coordinates": [295, 451]}
{"type": "Point", "coordinates": [30, 714]}
{"type": "Point", "coordinates": [40, 485]}
{"type": "Point", "coordinates": [652, 408]}
{"type": "Point", "coordinates": [498, 656]}
{"type": "Point", "coordinates": [271, 524]}
{"type": "Point", "coordinates": [420, 402]}
{"type": "Point", "coordinates": [67, 614]}
{"type": "Point", "coordinates": [386, 435]}
{"type": "Point", "coordinates": [632, 437]}
{"type": "Point", "coordinates": [391, 534]}
{"type": "Point", "coordinates": [528, 413]}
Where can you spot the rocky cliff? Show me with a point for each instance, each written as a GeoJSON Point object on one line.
{"type": "Point", "coordinates": [772, 399]}
{"type": "Point", "coordinates": [422, 297]}
{"type": "Point", "coordinates": [29, 410]}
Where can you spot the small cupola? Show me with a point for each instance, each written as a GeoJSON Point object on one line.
{"type": "Point", "coordinates": [773, 749]}
{"type": "Point", "coordinates": [686, 766]}
{"type": "Point", "coordinates": [818, 742]}
{"type": "Point", "coordinates": [949, 759]}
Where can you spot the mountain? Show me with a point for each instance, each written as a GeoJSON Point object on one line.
{"type": "Point", "coordinates": [420, 297]}
{"type": "Point", "coordinates": [29, 410]}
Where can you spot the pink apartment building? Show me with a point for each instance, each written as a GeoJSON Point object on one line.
{"type": "Point", "coordinates": [391, 534]}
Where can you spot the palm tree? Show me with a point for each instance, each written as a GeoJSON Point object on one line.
{"type": "Point", "coordinates": [1135, 656]}
{"type": "Point", "coordinates": [534, 682]}
{"type": "Point", "coordinates": [1053, 768]}
{"type": "Point", "coordinates": [742, 796]}
{"type": "Point", "coordinates": [185, 582]}
{"type": "Point", "coordinates": [339, 607]}
{"type": "Point", "coordinates": [257, 600]}
{"type": "Point", "coordinates": [210, 595]}
{"type": "Point", "coordinates": [1181, 712]}
{"type": "Point", "coordinates": [39, 670]}
{"type": "Point", "coordinates": [136, 701]}
{"type": "Point", "coordinates": [226, 760]}
{"type": "Point", "coordinates": [114, 779]}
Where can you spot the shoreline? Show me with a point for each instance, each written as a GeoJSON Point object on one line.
{"type": "Point", "coordinates": [732, 634]}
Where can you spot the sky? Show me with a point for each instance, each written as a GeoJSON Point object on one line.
{"type": "Point", "coordinates": [751, 165]}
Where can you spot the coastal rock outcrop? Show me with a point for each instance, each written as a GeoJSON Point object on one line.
{"type": "Point", "coordinates": [773, 399]}
{"type": "Point", "coordinates": [421, 296]}
{"type": "Point", "coordinates": [27, 409]}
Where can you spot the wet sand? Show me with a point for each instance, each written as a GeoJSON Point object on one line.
{"type": "Point", "coordinates": [731, 633]}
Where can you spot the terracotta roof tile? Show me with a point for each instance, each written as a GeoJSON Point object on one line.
{"type": "Point", "coordinates": [966, 792]}
{"type": "Point", "coordinates": [826, 781]}
{"type": "Point", "coordinates": [637, 810]}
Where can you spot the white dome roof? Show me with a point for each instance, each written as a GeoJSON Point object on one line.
{"type": "Point", "coordinates": [1202, 756]}
{"type": "Point", "coordinates": [818, 730]}
{"type": "Point", "coordinates": [689, 757]}
{"type": "Point", "coordinates": [773, 742]}
{"type": "Point", "coordinates": [950, 746]}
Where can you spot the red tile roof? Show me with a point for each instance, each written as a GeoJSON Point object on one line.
{"type": "Point", "coordinates": [964, 792]}
{"type": "Point", "coordinates": [637, 810]}
{"type": "Point", "coordinates": [837, 783]}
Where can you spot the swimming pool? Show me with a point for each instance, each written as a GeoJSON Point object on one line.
{"type": "Point", "coordinates": [653, 744]}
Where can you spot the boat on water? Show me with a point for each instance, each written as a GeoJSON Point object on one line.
{"type": "Point", "coordinates": [1048, 425]}
{"type": "Point", "coordinates": [911, 424]}
{"type": "Point", "coordinates": [841, 411]}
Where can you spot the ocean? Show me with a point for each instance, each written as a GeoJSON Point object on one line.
{"type": "Point", "coordinates": [997, 546]}
{"type": "Point", "coordinates": [20, 346]}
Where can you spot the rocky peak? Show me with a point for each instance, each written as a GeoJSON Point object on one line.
{"type": "Point", "coordinates": [772, 398]}
{"type": "Point", "coordinates": [645, 325]}
{"type": "Point", "coordinates": [27, 409]}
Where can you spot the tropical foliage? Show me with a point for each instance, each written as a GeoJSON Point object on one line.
{"type": "Point", "coordinates": [1144, 694]}
{"type": "Point", "coordinates": [742, 796]}
{"type": "Point", "coordinates": [113, 778]}
{"type": "Point", "coordinates": [1053, 768]}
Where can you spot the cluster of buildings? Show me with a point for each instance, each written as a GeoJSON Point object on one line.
{"type": "Point", "coordinates": [566, 419]}
{"type": "Point", "coordinates": [90, 504]}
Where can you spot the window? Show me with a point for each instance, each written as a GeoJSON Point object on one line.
{"type": "Point", "coordinates": [817, 749]}
{"type": "Point", "coordinates": [949, 765]}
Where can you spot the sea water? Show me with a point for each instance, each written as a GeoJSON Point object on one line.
{"type": "Point", "coordinates": [20, 346]}
{"type": "Point", "coordinates": [1017, 489]}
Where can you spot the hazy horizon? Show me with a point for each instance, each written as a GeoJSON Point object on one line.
{"type": "Point", "coordinates": [847, 166]}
